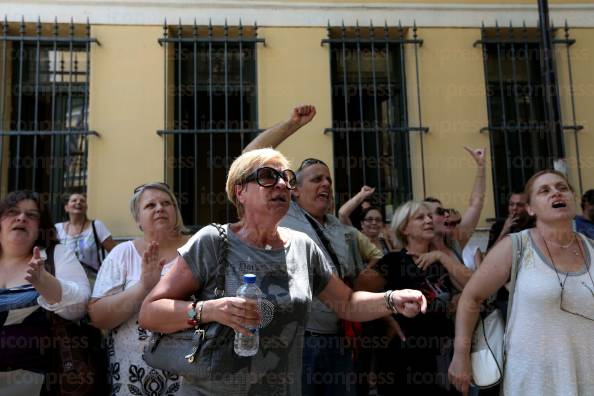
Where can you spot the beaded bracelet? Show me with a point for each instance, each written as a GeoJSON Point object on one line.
{"type": "Point", "coordinates": [195, 315]}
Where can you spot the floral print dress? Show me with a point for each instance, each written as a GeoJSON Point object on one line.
{"type": "Point", "coordinates": [130, 375]}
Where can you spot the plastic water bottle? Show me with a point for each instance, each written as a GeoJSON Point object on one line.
{"type": "Point", "coordinates": [248, 345]}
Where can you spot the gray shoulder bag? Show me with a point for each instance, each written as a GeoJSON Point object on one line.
{"type": "Point", "coordinates": [195, 352]}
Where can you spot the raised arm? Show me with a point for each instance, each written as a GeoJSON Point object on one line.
{"type": "Point", "coordinates": [477, 198]}
{"type": "Point", "coordinates": [349, 206]}
{"type": "Point", "coordinates": [491, 275]}
{"type": "Point", "coordinates": [273, 136]}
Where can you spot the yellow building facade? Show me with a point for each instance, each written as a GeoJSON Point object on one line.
{"type": "Point", "coordinates": [436, 98]}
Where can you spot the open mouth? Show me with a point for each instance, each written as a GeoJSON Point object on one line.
{"type": "Point", "coordinates": [559, 204]}
{"type": "Point", "coordinates": [19, 228]}
{"type": "Point", "coordinates": [324, 195]}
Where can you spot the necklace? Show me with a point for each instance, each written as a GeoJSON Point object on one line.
{"type": "Point", "coordinates": [562, 283]}
{"type": "Point", "coordinates": [565, 247]}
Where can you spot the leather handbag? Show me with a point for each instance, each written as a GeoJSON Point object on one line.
{"type": "Point", "coordinates": [195, 352]}
{"type": "Point", "coordinates": [487, 353]}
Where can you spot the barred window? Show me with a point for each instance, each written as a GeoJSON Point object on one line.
{"type": "Point", "coordinates": [43, 108]}
{"type": "Point", "coordinates": [522, 142]}
{"type": "Point", "coordinates": [210, 113]}
{"type": "Point", "coordinates": [369, 112]}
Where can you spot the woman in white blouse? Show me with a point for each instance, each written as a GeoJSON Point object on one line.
{"type": "Point", "coordinates": [89, 239]}
{"type": "Point", "coordinates": [28, 292]}
{"type": "Point", "coordinates": [125, 278]}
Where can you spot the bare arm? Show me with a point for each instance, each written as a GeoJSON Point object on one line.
{"type": "Point", "coordinates": [458, 272]}
{"type": "Point", "coordinates": [165, 308]}
{"type": "Point", "coordinates": [477, 198]}
{"type": "Point", "coordinates": [108, 244]}
{"type": "Point", "coordinates": [275, 135]}
{"type": "Point", "coordinates": [364, 306]}
{"type": "Point", "coordinates": [111, 311]}
{"type": "Point", "coordinates": [491, 275]}
{"type": "Point", "coordinates": [349, 206]}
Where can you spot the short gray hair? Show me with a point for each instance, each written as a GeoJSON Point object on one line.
{"type": "Point", "coordinates": [401, 217]}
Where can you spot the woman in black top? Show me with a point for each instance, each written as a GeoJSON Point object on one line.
{"type": "Point", "coordinates": [422, 349]}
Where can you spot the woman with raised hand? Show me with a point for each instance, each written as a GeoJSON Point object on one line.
{"type": "Point", "coordinates": [30, 293]}
{"type": "Point", "coordinates": [127, 275]}
{"type": "Point", "coordinates": [549, 335]}
{"type": "Point", "coordinates": [290, 271]}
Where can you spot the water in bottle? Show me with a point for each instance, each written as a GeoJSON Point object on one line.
{"type": "Point", "coordinates": [248, 345]}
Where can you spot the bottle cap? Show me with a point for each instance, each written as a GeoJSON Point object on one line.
{"type": "Point", "coordinates": [249, 278]}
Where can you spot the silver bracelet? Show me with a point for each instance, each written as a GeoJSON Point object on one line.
{"type": "Point", "coordinates": [389, 304]}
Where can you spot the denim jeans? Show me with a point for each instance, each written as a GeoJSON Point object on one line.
{"type": "Point", "coordinates": [327, 366]}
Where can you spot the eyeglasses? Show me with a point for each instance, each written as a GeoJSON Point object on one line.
{"type": "Point", "coordinates": [145, 185]}
{"type": "Point", "coordinates": [29, 214]}
{"type": "Point", "coordinates": [310, 161]}
{"type": "Point", "coordinates": [373, 220]}
{"type": "Point", "coordinates": [268, 177]}
{"type": "Point", "coordinates": [441, 211]}
{"type": "Point", "coordinates": [452, 223]}
{"type": "Point", "coordinates": [562, 308]}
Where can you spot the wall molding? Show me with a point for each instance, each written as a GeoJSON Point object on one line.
{"type": "Point", "coordinates": [285, 13]}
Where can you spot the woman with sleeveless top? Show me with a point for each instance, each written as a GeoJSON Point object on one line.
{"type": "Point", "coordinates": [549, 335]}
{"type": "Point", "coordinates": [29, 294]}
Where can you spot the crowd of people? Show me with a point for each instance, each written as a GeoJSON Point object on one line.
{"type": "Point", "coordinates": [351, 304]}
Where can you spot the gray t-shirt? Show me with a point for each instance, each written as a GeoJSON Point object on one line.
{"type": "Point", "coordinates": [344, 243]}
{"type": "Point", "coordinates": [288, 278]}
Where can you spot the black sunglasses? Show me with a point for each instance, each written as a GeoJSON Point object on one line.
{"type": "Point", "coordinates": [310, 161]}
{"type": "Point", "coordinates": [143, 186]}
{"type": "Point", "coordinates": [268, 177]}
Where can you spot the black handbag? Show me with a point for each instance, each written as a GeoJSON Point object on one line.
{"type": "Point", "coordinates": [196, 352]}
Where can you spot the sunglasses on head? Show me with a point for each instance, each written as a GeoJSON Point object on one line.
{"type": "Point", "coordinates": [143, 186]}
{"type": "Point", "coordinates": [269, 177]}
{"type": "Point", "coordinates": [309, 162]}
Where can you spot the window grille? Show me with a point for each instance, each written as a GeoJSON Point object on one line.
{"type": "Point", "coordinates": [44, 91]}
{"type": "Point", "coordinates": [522, 140]}
{"type": "Point", "coordinates": [210, 113]}
{"type": "Point", "coordinates": [370, 111]}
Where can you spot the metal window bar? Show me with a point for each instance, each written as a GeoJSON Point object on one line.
{"type": "Point", "coordinates": [43, 108]}
{"type": "Point", "coordinates": [214, 112]}
{"type": "Point", "coordinates": [370, 111]}
{"type": "Point", "coordinates": [523, 139]}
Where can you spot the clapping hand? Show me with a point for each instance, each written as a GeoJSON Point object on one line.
{"type": "Point", "coordinates": [36, 272]}
{"type": "Point", "coordinates": [151, 266]}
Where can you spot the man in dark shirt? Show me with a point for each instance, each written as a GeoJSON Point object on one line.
{"type": "Point", "coordinates": [516, 221]}
{"type": "Point", "coordinates": [585, 222]}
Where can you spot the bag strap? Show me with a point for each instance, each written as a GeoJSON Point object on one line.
{"type": "Point", "coordinates": [517, 253]}
{"type": "Point", "coordinates": [221, 260]}
{"type": "Point", "coordinates": [98, 244]}
{"type": "Point", "coordinates": [326, 244]}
